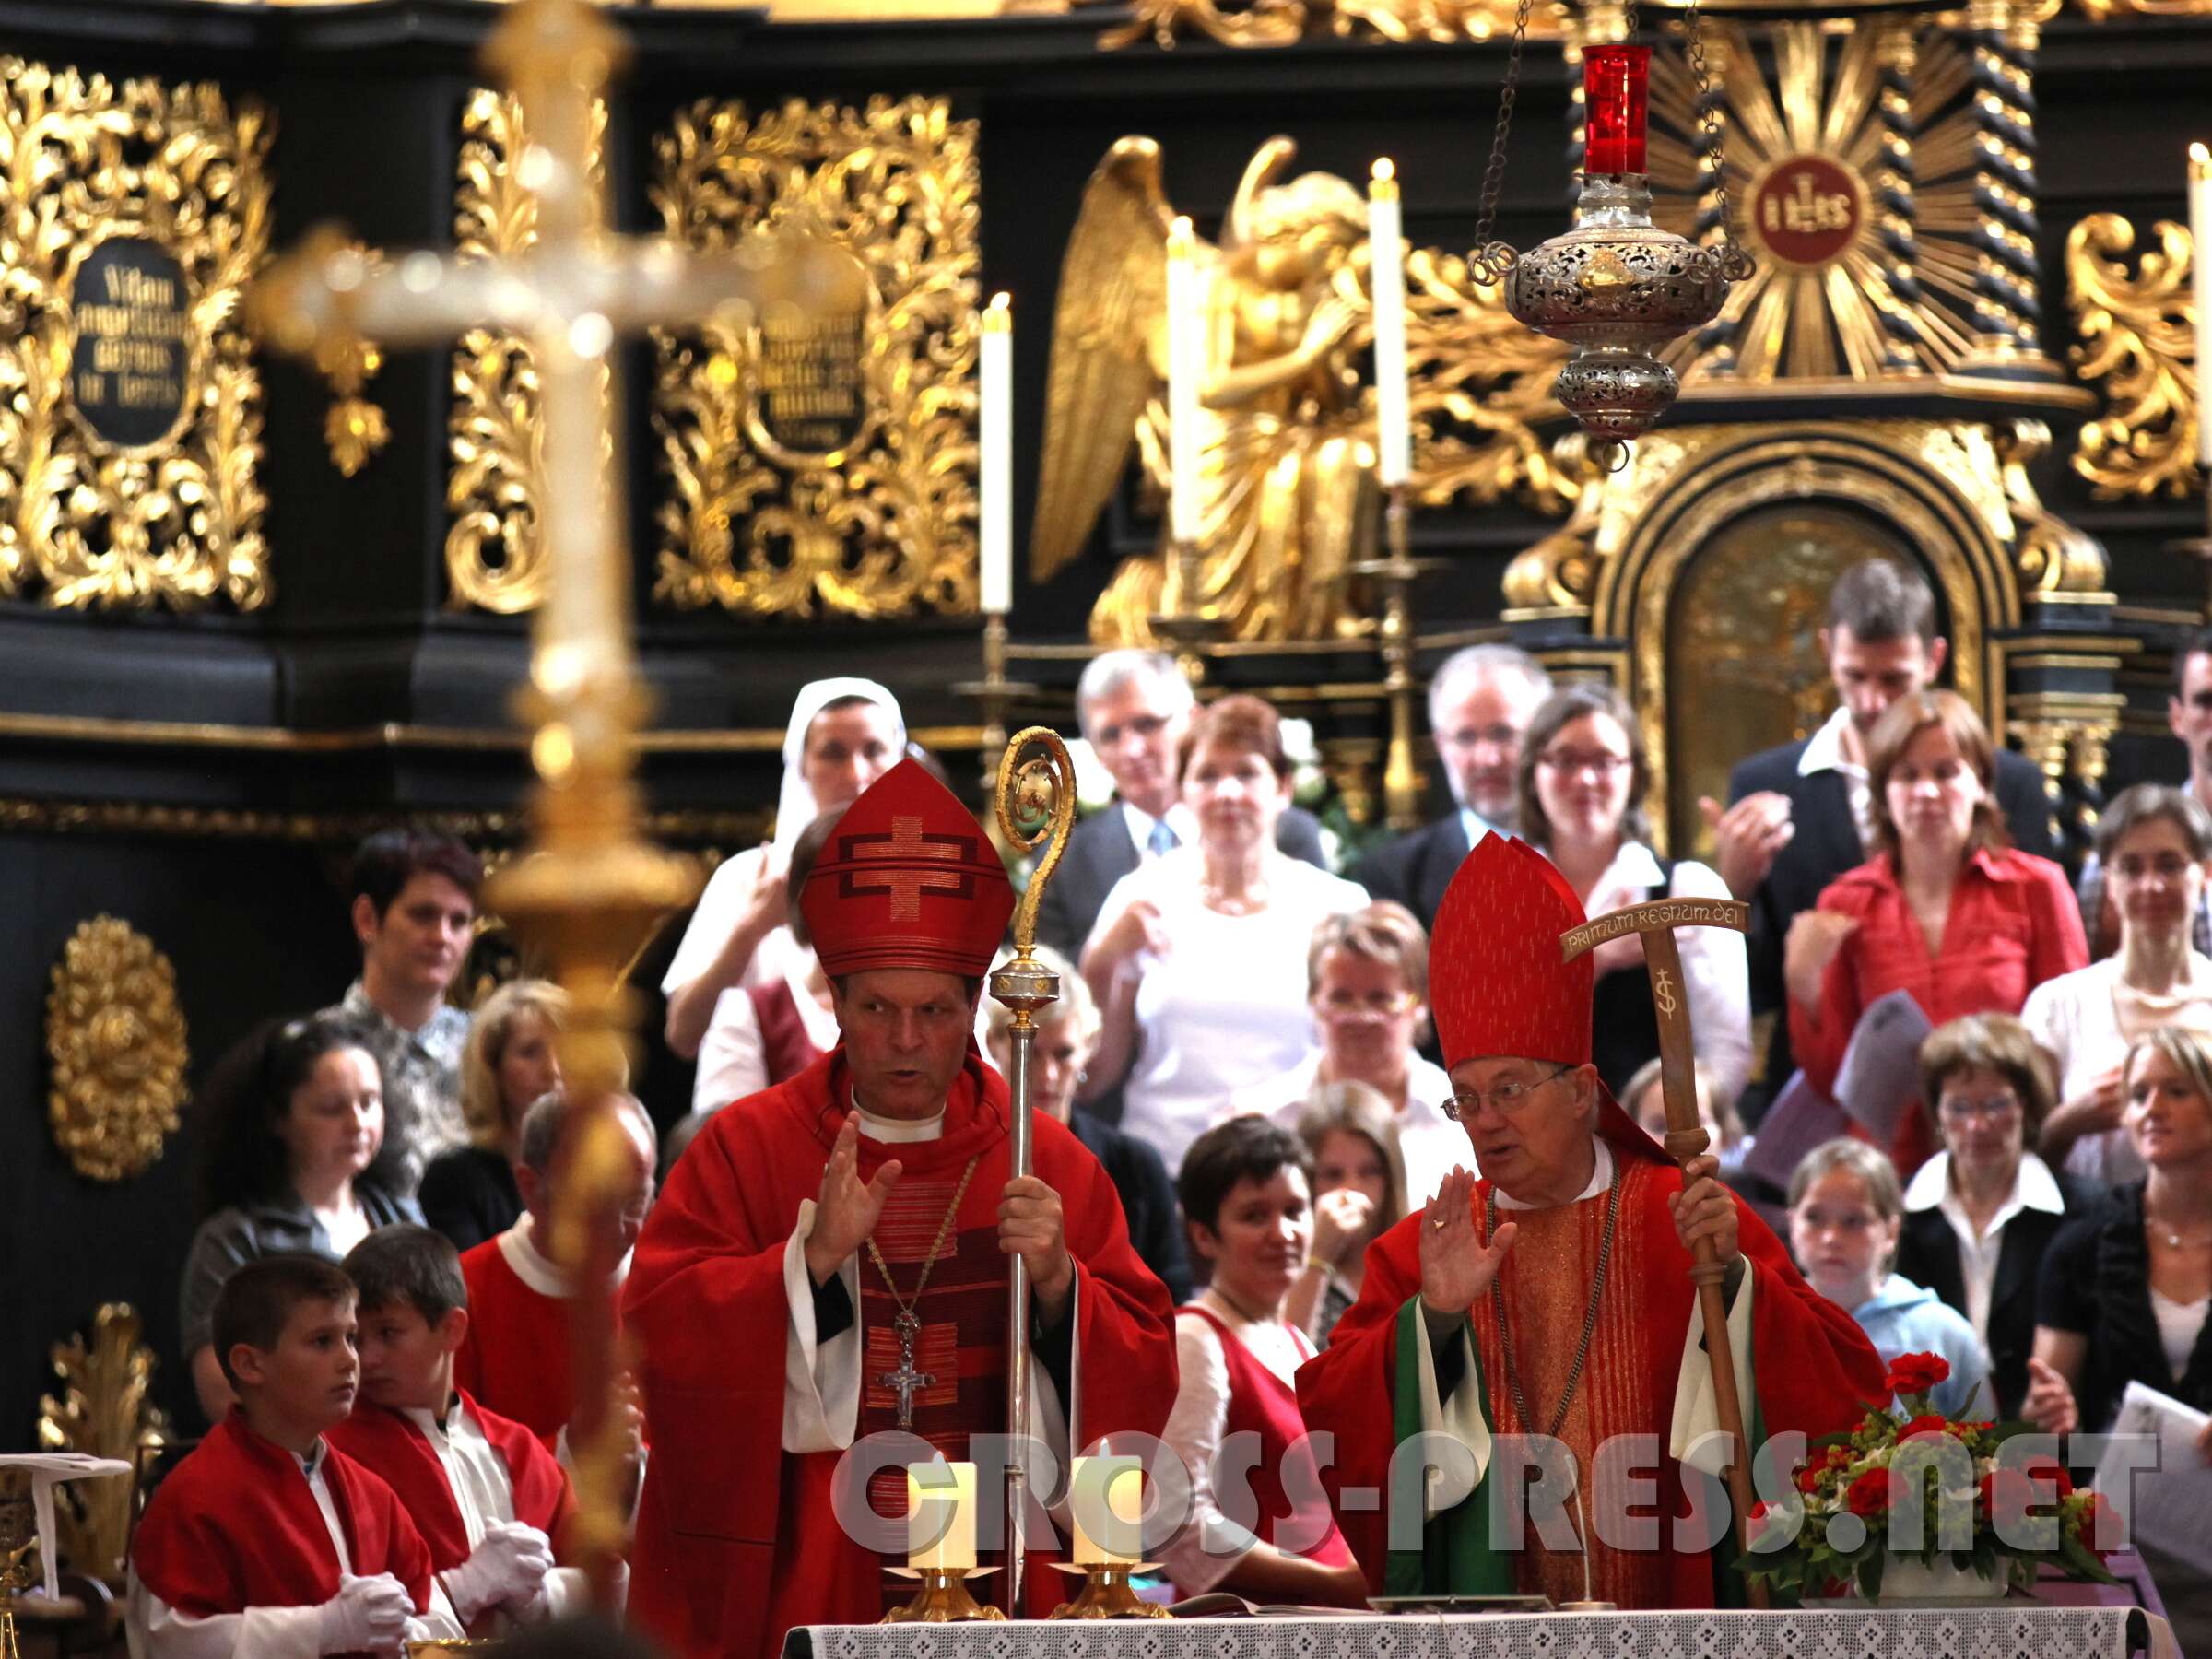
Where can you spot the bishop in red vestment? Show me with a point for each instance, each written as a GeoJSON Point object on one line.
{"type": "Point", "coordinates": [1552, 1297]}
{"type": "Point", "coordinates": [858, 1221]}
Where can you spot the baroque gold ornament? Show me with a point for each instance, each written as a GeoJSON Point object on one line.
{"type": "Point", "coordinates": [1285, 22]}
{"type": "Point", "coordinates": [495, 491]}
{"type": "Point", "coordinates": [1286, 482]}
{"type": "Point", "coordinates": [130, 407]}
{"type": "Point", "coordinates": [2138, 340]}
{"type": "Point", "coordinates": [825, 464]}
{"type": "Point", "coordinates": [116, 1037]}
{"type": "Point", "coordinates": [104, 1409]}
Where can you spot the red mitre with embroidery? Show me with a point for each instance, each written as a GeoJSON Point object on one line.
{"type": "Point", "coordinates": [907, 879]}
{"type": "Point", "coordinates": [1496, 982]}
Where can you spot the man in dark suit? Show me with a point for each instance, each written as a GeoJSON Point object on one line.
{"type": "Point", "coordinates": [1799, 816]}
{"type": "Point", "coordinates": [1479, 706]}
{"type": "Point", "coordinates": [1133, 707]}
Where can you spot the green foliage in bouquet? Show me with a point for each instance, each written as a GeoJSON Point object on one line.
{"type": "Point", "coordinates": [1960, 1497]}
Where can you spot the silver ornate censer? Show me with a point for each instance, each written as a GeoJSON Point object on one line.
{"type": "Point", "coordinates": [1616, 288]}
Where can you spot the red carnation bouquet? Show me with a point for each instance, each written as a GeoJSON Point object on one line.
{"type": "Point", "coordinates": [1911, 1484]}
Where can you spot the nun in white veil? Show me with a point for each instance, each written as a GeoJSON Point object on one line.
{"type": "Point", "coordinates": [844, 733]}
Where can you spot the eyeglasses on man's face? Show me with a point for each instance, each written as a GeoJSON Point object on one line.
{"type": "Point", "coordinates": [1505, 1098]}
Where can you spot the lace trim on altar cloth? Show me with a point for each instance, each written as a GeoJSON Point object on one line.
{"type": "Point", "coordinates": [2015, 1630]}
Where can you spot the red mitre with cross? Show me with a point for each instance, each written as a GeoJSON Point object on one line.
{"type": "Point", "coordinates": [907, 879]}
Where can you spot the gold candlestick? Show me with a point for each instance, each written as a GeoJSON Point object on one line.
{"type": "Point", "coordinates": [1401, 777]}
{"type": "Point", "coordinates": [943, 1597]}
{"type": "Point", "coordinates": [1107, 1592]}
{"type": "Point", "coordinates": [1186, 624]}
{"type": "Point", "coordinates": [996, 693]}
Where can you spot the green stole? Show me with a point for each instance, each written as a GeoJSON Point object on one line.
{"type": "Point", "coordinates": [1456, 1557]}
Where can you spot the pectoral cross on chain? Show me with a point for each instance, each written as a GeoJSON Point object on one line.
{"type": "Point", "coordinates": [906, 1379]}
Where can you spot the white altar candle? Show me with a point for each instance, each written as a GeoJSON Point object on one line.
{"type": "Point", "coordinates": [1106, 1497]}
{"type": "Point", "coordinates": [1387, 245]}
{"type": "Point", "coordinates": [997, 432]}
{"type": "Point", "coordinates": [1186, 372]}
{"type": "Point", "coordinates": [933, 1538]}
{"type": "Point", "coordinates": [2200, 231]}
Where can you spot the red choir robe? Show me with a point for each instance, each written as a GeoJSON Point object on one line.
{"type": "Point", "coordinates": [1812, 1370]}
{"type": "Point", "coordinates": [737, 1538]}
{"type": "Point", "coordinates": [389, 1443]}
{"type": "Point", "coordinates": [515, 1357]}
{"type": "Point", "coordinates": [235, 1525]}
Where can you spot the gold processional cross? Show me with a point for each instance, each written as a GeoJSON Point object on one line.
{"type": "Point", "coordinates": [589, 886]}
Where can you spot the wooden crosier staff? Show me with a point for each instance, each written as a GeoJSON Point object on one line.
{"type": "Point", "coordinates": [1036, 804]}
{"type": "Point", "coordinates": [1686, 1139]}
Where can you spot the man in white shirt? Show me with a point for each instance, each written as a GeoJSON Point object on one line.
{"type": "Point", "coordinates": [1480, 704]}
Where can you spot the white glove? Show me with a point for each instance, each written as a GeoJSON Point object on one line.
{"type": "Point", "coordinates": [367, 1616]}
{"type": "Point", "coordinates": [508, 1567]}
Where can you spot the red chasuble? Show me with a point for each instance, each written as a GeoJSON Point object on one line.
{"type": "Point", "coordinates": [389, 1443]}
{"type": "Point", "coordinates": [236, 1526]}
{"type": "Point", "coordinates": [1812, 1367]}
{"type": "Point", "coordinates": [737, 1540]}
{"type": "Point", "coordinates": [515, 1357]}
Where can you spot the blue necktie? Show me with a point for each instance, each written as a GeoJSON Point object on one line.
{"type": "Point", "coordinates": [1164, 840]}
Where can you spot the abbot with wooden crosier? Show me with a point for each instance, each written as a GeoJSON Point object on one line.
{"type": "Point", "coordinates": [1554, 1296]}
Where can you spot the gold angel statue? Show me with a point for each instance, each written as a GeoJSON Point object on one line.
{"type": "Point", "coordinates": [1288, 494]}
{"type": "Point", "coordinates": [1289, 474]}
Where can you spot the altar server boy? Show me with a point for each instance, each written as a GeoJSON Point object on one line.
{"type": "Point", "coordinates": [267, 1540]}
{"type": "Point", "coordinates": [488, 1498]}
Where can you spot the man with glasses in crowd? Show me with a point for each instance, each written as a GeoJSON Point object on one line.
{"type": "Point", "coordinates": [1467, 1323]}
{"type": "Point", "coordinates": [1479, 706]}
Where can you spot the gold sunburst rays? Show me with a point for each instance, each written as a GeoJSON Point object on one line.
{"type": "Point", "coordinates": [1802, 113]}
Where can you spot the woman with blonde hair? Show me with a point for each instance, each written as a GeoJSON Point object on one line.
{"type": "Point", "coordinates": [2127, 1285]}
{"type": "Point", "coordinates": [1946, 910]}
{"type": "Point", "coordinates": [469, 1193]}
{"type": "Point", "coordinates": [1351, 1136]}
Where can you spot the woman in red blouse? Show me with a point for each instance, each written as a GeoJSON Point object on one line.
{"type": "Point", "coordinates": [1946, 909]}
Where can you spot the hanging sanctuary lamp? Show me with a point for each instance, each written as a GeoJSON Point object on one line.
{"type": "Point", "coordinates": [1615, 287]}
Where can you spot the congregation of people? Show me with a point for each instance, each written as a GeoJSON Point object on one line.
{"type": "Point", "coordinates": [1260, 1077]}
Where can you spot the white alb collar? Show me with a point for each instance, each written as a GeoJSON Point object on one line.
{"type": "Point", "coordinates": [1601, 1177]}
{"type": "Point", "coordinates": [536, 1269]}
{"type": "Point", "coordinates": [898, 1131]}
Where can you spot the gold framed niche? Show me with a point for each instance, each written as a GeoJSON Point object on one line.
{"type": "Point", "coordinates": [1744, 665]}
{"type": "Point", "coordinates": [1937, 487]}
